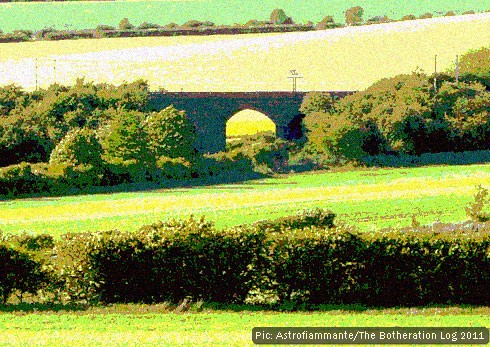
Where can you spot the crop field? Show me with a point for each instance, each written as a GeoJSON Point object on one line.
{"type": "Point", "coordinates": [369, 199]}
{"type": "Point", "coordinates": [143, 325]}
{"type": "Point", "coordinates": [350, 58]}
{"type": "Point", "coordinates": [83, 14]}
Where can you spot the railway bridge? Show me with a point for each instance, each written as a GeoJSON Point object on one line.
{"type": "Point", "coordinates": [209, 111]}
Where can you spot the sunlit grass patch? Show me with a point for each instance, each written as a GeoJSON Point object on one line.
{"type": "Point", "coordinates": [369, 199]}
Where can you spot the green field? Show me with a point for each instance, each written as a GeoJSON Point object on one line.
{"type": "Point", "coordinates": [83, 15]}
{"type": "Point", "coordinates": [141, 325]}
{"type": "Point", "coordinates": [369, 199]}
{"type": "Point", "coordinates": [350, 58]}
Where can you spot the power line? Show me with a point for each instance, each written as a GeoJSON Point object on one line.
{"type": "Point", "coordinates": [294, 76]}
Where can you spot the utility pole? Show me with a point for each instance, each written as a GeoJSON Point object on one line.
{"type": "Point", "coordinates": [294, 76]}
{"type": "Point", "coordinates": [457, 69]}
{"type": "Point", "coordinates": [54, 71]}
{"type": "Point", "coordinates": [435, 73]}
{"type": "Point", "coordinates": [35, 74]}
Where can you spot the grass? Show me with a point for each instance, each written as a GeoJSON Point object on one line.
{"type": "Point", "coordinates": [156, 325]}
{"type": "Point", "coordinates": [369, 199]}
{"type": "Point", "coordinates": [82, 15]}
{"type": "Point", "coordinates": [349, 58]}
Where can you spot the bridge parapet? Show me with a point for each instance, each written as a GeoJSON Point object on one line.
{"type": "Point", "coordinates": [210, 111]}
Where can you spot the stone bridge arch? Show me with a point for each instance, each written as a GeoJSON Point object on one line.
{"type": "Point", "coordinates": [210, 111]}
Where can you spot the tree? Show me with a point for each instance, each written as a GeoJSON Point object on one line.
{"type": "Point", "coordinates": [353, 16]}
{"type": "Point", "coordinates": [79, 146]}
{"type": "Point", "coordinates": [409, 17]}
{"type": "Point", "coordinates": [170, 133]}
{"type": "Point", "coordinates": [316, 102]}
{"type": "Point", "coordinates": [124, 24]}
{"type": "Point", "coordinates": [475, 65]}
{"type": "Point", "coordinates": [327, 23]}
{"type": "Point", "coordinates": [426, 15]}
{"type": "Point", "coordinates": [278, 17]}
{"type": "Point", "coordinates": [124, 137]}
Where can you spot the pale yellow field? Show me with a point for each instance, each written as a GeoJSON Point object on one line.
{"type": "Point", "coordinates": [341, 59]}
{"type": "Point", "coordinates": [248, 122]}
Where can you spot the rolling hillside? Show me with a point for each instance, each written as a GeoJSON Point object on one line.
{"type": "Point", "coordinates": [349, 58]}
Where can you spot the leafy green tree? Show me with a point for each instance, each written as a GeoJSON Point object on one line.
{"type": "Point", "coordinates": [327, 23]}
{"type": "Point", "coordinates": [426, 15]}
{"type": "Point", "coordinates": [124, 24]}
{"type": "Point", "coordinates": [409, 17]}
{"type": "Point", "coordinates": [353, 16]}
{"type": "Point", "coordinates": [278, 17]}
{"type": "Point", "coordinates": [124, 137]}
{"type": "Point", "coordinates": [316, 102]}
{"type": "Point", "coordinates": [79, 146]}
{"type": "Point", "coordinates": [170, 133]}
{"type": "Point", "coordinates": [475, 65]}
{"type": "Point", "coordinates": [11, 97]}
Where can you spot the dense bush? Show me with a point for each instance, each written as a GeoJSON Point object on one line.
{"type": "Point", "coordinates": [307, 218]}
{"type": "Point", "coordinates": [124, 138]}
{"type": "Point", "coordinates": [475, 65]}
{"type": "Point", "coordinates": [278, 16]}
{"type": "Point", "coordinates": [24, 178]}
{"type": "Point", "coordinates": [400, 115]}
{"type": "Point", "coordinates": [79, 146]}
{"type": "Point", "coordinates": [124, 24]}
{"type": "Point", "coordinates": [19, 272]}
{"type": "Point", "coordinates": [353, 15]}
{"type": "Point", "coordinates": [327, 23]}
{"type": "Point", "coordinates": [171, 133]}
{"type": "Point", "coordinates": [31, 124]}
{"type": "Point", "coordinates": [300, 259]}
{"type": "Point", "coordinates": [315, 266]}
{"type": "Point", "coordinates": [173, 168]}
{"type": "Point", "coordinates": [266, 152]}
{"type": "Point", "coordinates": [175, 260]}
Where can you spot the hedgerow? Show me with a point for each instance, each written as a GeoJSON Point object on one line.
{"type": "Point", "coordinates": [305, 263]}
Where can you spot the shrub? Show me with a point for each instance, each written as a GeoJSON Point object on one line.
{"type": "Point", "coordinates": [39, 35]}
{"type": "Point", "coordinates": [124, 138]}
{"type": "Point", "coordinates": [315, 266]}
{"type": "Point", "coordinates": [21, 179]}
{"type": "Point", "coordinates": [353, 16]}
{"type": "Point", "coordinates": [307, 218]}
{"type": "Point", "coordinates": [146, 25]}
{"type": "Point", "coordinates": [279, 17]}
{"type": "Point", "coordinates": [327, 23]}
{"type": "Point", "coordinates": [475, 209]}
{"type": "Point", "coordinates": [426, 15]}
{"type": "Point", "coordinates": [79, 146]}
{"type": "Point", "coordinates": [170, 133]}
{"type": "Point", "coordinates": [173, 168]}
{"type": "Point", "coordinates": [175, 260]}
{"type": "Point", "coordinates": [18, 271]}
{"type": "Point", "coordinates": [124, 24]}
{"type": "Point", "coordinates": [192, 24]}
{"type": "Point", "coordinates": [409, 17]}
{"type": "Point", "coordinates": [316, 102]}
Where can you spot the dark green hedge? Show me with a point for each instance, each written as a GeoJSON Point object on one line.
{"type": "Point", "coordinates": [294, 263]}
{"type": "Point", "coordinates": [20, 271]}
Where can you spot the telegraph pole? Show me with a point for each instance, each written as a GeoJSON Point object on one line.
{"type": "Point", "coordinates": [435, 73]}
{"type": "Point", "coordinates": [294, 76]}
{"type": "Point", "coordinates": [35, 74]}
{"type": "Point", "coordinates": [457, 69]}
{"type": "Point", "coordinates": [54, 71]}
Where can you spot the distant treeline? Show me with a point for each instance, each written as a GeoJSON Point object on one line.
{"type": "Point", "coordinates": [278, 22]}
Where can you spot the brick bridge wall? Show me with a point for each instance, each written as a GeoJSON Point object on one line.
{"type": "Point", "coordinates": [210, 111]}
